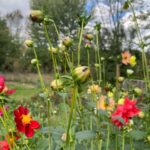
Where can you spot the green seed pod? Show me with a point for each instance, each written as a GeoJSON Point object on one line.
{"type": "Point", "coordinates": [89, 37]}
{"type": "Point", "coordinates": [67, 42]}
{"type": "Point", "coordinates": [29, 43]}
{"type": "Point", "coordinates": [138, 91]}
{"type": "Point", "coordinates": [36, 16]}
{"type": "Point", "coordinates": [33, 61]}
{"type": "Point", "coordinates": [120, 79]}
{"type": "Point", "coordinates": [53, 50]}
{"type": "Point", "coordinates": [56, 85]}
{"type": "Point", "coordinates": [81, 74]}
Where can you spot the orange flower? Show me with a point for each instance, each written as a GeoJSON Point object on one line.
{"type": "Point", "coordinates": [105, 104]}
{"type": "Point", "coordinates": [126, 57]}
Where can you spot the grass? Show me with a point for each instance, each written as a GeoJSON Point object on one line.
{"type": "Point", "coordinates": [24, 91]}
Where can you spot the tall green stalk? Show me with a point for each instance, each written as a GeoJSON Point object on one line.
{"type": "Point", "coordinates": [108, 137]}
{"type": "Point", "coordinates": [123, 140]}
{"type": "Point", "coordinates": [80, 41]}
{"type": "Point", "coordinates": [73, 102]}
{"type": "Point", "coordinates": [38, 69]}
{"type": "Point", "coordinates": [99, 56]}
{"type": "Point", "coordinates": [144, 59]}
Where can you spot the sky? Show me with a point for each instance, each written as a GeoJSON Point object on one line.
{"type": "Point", "coordinates": [7, 6]}
{"type": "Point", "coordinates": [101, 11]}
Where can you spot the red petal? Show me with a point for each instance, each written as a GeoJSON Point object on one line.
{"type": "Point", "coordinates": [16, 113]}
{"type": "Point", "coordinates": [29, 132]}
{"type": "Point", "coordinates": [21, 110]}
{"type": "Point", "coordinates": [26, 111]}
{"type": "Point", "coordinates": [34, 124]}
{"type": "Point", "coordinates": [20, 127]}
{"type": "Point", "coordinates": [9, 92]}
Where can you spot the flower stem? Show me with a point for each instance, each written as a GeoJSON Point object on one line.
{"type": "Point", "coordinates": [38, 69]}
{"type": "Point", "coordinates": [80, 41]}
{"type": "Point", "coordinates": [74, 95]}
{"type": "Point", "coordinates": [123, 140]}
{"type": "Point", "coordinates": [108, 137]}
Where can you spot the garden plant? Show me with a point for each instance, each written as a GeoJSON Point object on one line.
{"type": "Point", "coordinates": [79, 109]}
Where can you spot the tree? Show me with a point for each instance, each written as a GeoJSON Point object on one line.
{"type": "Point", "coordinates": [9, 48]}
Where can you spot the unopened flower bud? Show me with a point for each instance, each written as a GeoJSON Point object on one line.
{"type": "Point", "coordinates": [87, 45]}
{"type": "Point", "coordinates": [138, 91]}
{"type": "Point", "coordinates": [57, 84]}
{"type": "Point", "coordinates": [64, 137]}
{"type": "Point", "coordinates": [102, 58]}
{"type": "Point", "coordinates": [130, 71]}
{"type": "Point", "coordinates": [120, 79]}
{"type": "Point", "coordinates": [53, 50]}
{"type": "Point", "coordinates": [62, 47]}
{"type": "Point", "coordinates": [89, 37]}
{"type": "Point", "coordinates": [36, 16]}
{"type": "Point", "coordinates": [96, 65]}
{"type": "Point", "coordinates": [33, 61]}
{"type": "Point", "coordinates": [141, 114]}
{"type": "Point", "coordinates": [47, 20]}
{"type": "Point", "coordinates": [81, 74]}
{"type": "Point", "coordinates": [67, 41]}
{"type": "Point", "coordinates": [148, 138]}
{"type": "Point", "coordinates": [29, 43]}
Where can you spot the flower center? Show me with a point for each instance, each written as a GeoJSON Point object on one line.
{"type": "Point", "coordinates": [26, 119]}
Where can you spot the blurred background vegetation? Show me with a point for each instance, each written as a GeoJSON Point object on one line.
{"type": "Point", "coordinates": [15, 57]}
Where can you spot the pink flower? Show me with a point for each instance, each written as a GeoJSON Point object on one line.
{"type": "Point", "coordinates": [4, 145]}
{"type": "Point", "coordinates": [125, 112]}
{"type": "Point", "coordinates": [3, 88]}
{"type": "Point", "coordinates": [126, 57]}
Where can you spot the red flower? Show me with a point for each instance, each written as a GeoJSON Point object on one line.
{"type": "Point", "coordinates": [4, 145]}
{"type": "Point", "coordinates": [24, 121]}
{"type": "Point", "coordinates": [125, 111]}
{"type": "Point", "coordinates": [3, 88]}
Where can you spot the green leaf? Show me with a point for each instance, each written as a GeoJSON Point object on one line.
{"type": "Point", "coordinates": [85, 135]}
{"type": "Point", "coordinates": [119, 118]}
{"type": "Point", "coordinates": [102, 112]}
{"type": "Point", "coordinates": [138, 135]}
{"type": "Point", "coordinates": [63, 107]}
{"type": "Point", "coordinates": [42, 144]}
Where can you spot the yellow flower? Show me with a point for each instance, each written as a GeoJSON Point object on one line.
{"type": "Point", "coordinates": [94, 89]}
{"type": "Point", "coordinates": [121, 101]}
{"type": "Point", "coordinates": [110, 94]}
{"type": "Point", "coordinates": [132, 61]}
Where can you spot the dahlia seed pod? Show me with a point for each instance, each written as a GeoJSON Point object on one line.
{"type": "Point", "coordinates": [89, 37]}
{"type": "Point", "coordinates": [141, 115]}
{"type": "Point", "coordinates": [36, 16]}
{"type": "Point", "coordinates": [67, 41]}
{"type": "Point", "coordinates": [81, 74]}
{"type": "Point", "coordinates": [138, 91]}
{"type": "Point", "coordinates": [56, 85]}
{"type": "Point", "coordinates": [53, 50]}
{"type": "Point", "coordinates": [29, 43]}
{"type": "Point", "coordinates": [33, 61]}
{"type": "Point", "coordinates": [120, 79]}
